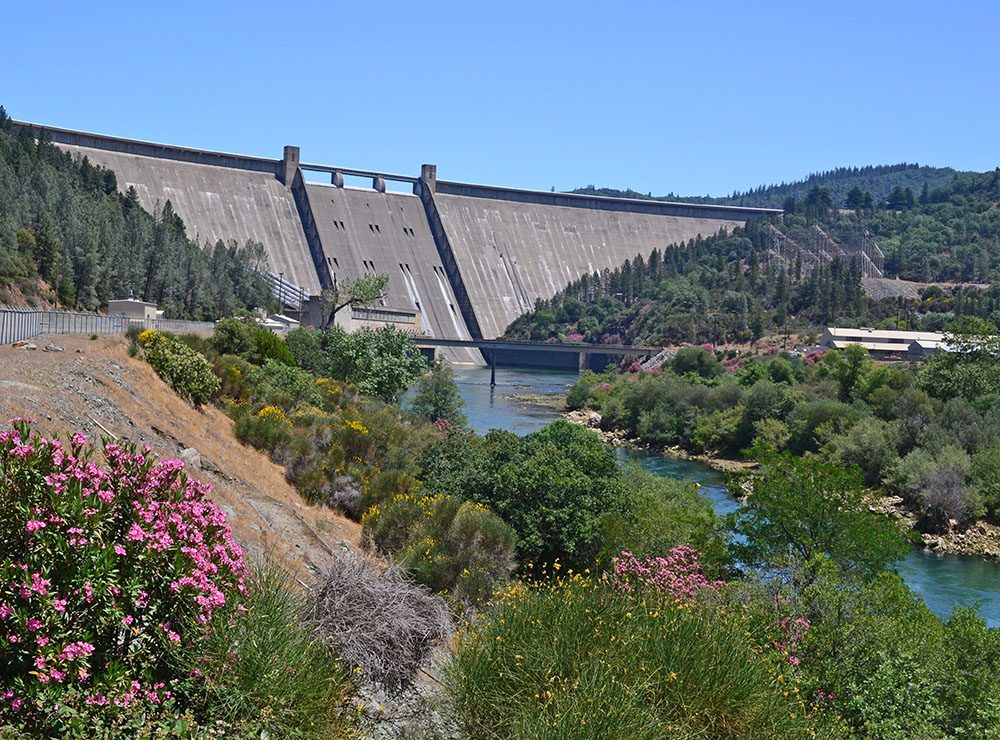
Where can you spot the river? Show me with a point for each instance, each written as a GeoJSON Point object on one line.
{"type": "Point", "coordinates": [944, 582]}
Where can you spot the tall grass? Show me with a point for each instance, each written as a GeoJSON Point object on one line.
{"type": "Point", "coordinates": [575, 660]}
{"type": "Point", "coordinates": [263, 673]}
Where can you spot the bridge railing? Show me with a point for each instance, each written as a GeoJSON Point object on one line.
{"type": "Point", "coordinates": [18, 324]}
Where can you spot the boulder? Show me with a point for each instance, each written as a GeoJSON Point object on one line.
{"type": "Point", "coordinates": [191, 457]}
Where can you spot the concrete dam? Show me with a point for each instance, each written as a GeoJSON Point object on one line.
{"type": "Point", "coordinates": [469, 258]}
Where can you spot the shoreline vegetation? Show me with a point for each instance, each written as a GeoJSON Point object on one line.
{"type": "Point", "coordinates": [981, 539]}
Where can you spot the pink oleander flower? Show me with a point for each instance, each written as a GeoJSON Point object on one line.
{"type": "Point", "coordinates": [677, 577]}
{"type": "Point", "coordinates": [183, 565]}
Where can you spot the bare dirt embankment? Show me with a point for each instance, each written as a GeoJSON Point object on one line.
{"type": "Point", "coordinates": [95, 384]}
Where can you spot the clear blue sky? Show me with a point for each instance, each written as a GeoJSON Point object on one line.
{"type": "Point", "coordinates": [694, 98]}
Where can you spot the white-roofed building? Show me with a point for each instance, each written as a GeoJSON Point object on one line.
{"type": "Point", "coordinates": [882, 343]}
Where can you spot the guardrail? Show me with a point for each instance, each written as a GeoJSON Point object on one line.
{"type": "Point", "coordinates": [18, 324]}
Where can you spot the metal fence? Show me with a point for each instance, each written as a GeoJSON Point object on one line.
{"type": "Point", "coordinates": [17, 324]}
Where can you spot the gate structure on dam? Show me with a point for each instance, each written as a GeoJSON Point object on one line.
{"type": "Point", "coordinates": [469, 258]}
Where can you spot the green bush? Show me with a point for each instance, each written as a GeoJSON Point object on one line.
{"type": "Point", "coordinates": [696, 360]}
{"type": "Point", "coordinates": [269, 346]}
{"type": "Point", "coordinates": [719, 431]}
{"type": "Point", "coordinates": [239, 380]}
{"type": "Point", "coordinates": [201, 345]}
{"type": "Point", "coordinates": [664, 513]}
{"type": "Point", "coordinates": [381, 363]}
{"type": "Point", "coordinates": [187, 372]}
{"type": "Point", "coordinates": [870, 444]}
{"type": "Point", "coordinates": [579, 393]}
{"type": "Point", "coordinates": [553, 487]}
{"type": "Point", "coordinates": [266, 430]}
{"type": "Point", "coordinates": [447, 544]}
{"type": "Point", "coordinates": [306, 348]}
{"type": "Point", "coordinates": [437, 396]}
{"type": "Point", "coordinates": [298, 385]}
{"type": "Point", "coordinates": [233, 336]}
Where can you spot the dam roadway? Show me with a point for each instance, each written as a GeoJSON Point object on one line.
{"type": "Point", "coordinates": [469, 258]}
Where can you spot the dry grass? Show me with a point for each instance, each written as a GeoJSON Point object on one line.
{"type": "Point", "coordinates": [102, 385]}
{"type": "Point", "coordinates": [378, 619]}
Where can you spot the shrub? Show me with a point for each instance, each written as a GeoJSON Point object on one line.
{"type": "Point", "coordinates": [719, 431]}
{"type": "Point", "coordinates": [104, 575]}
{"type": "Point", "coordinates": [663, 513]}
{"type": "Point", "coordinates": [378, 620]}
{"type": "Point", "coordinates": [269, 346]}
{"type": "Point", "coordinates": [201, 345]}
{"type": "Point", "coordinates": [233, 336]}
{"type": "Point", "coordinates": [798, 509]}
{"type": "Point", "coordinates": [437, 396]}
{"type": "Point", "coordinates": [676, 577]}
{"type": "Point", "coordinates": [579, 393]}
{"type": "Point", "coordinates": [306, 348]}
{"type": "Point", "coordinates": [697, 360]}
{"type": "Point", "coordinates": [238, 379]}
{"type": "Point", "coordinates": [381, 363]}
{"type": "Point", "coordinates": [447, 544]}
{"type": "Point", "coordinates": [298, 385]}
{"type": "Point", "coordinates": [870, 444]}
{"type": "Point", "coordinates": [553, 487]}
{"type": "Point", "coordinates": [265, 430]}
{"type": "Point", "coordinates": [387, 527]}
{"type": "Point", "coordinates": [186, 371]}
{"type": "Point", "coordinates": [937, 483]}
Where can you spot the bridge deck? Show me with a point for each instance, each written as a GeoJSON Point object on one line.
{"type": "Point", "coordinates": [594, 349]}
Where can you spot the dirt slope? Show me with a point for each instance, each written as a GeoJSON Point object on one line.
{"type": "Point", "coordinates": [94, 383]}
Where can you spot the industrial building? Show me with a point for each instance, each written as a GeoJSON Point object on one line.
{"type": "Point", "coordinates": [881, 343]}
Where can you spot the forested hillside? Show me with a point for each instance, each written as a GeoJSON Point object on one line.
{"type": "Point", "coordinates": [879, 180]}
{"type": "Point", "coordinates": [69, 238]}
{"type": "Point", "coordinates": [737, 287]}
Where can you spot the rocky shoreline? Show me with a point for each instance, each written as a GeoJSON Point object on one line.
{"type": "Point", "coordinates": [617, 438]}
{"type": "Point", "coordinates": [980, 539]}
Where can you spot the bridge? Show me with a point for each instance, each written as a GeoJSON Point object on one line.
{"type": "Point", "coordinates": [544, 355]}
{"type": "Point", "coordinates": [470, 258]}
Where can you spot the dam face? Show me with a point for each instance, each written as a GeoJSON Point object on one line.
{"type": "Point", "coordinates": [470, 258]}
{"type": "Point", "coordinates": [513, 246]}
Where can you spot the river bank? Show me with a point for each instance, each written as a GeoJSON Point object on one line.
{"type": "Point", "coordinates": [980, 539]}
